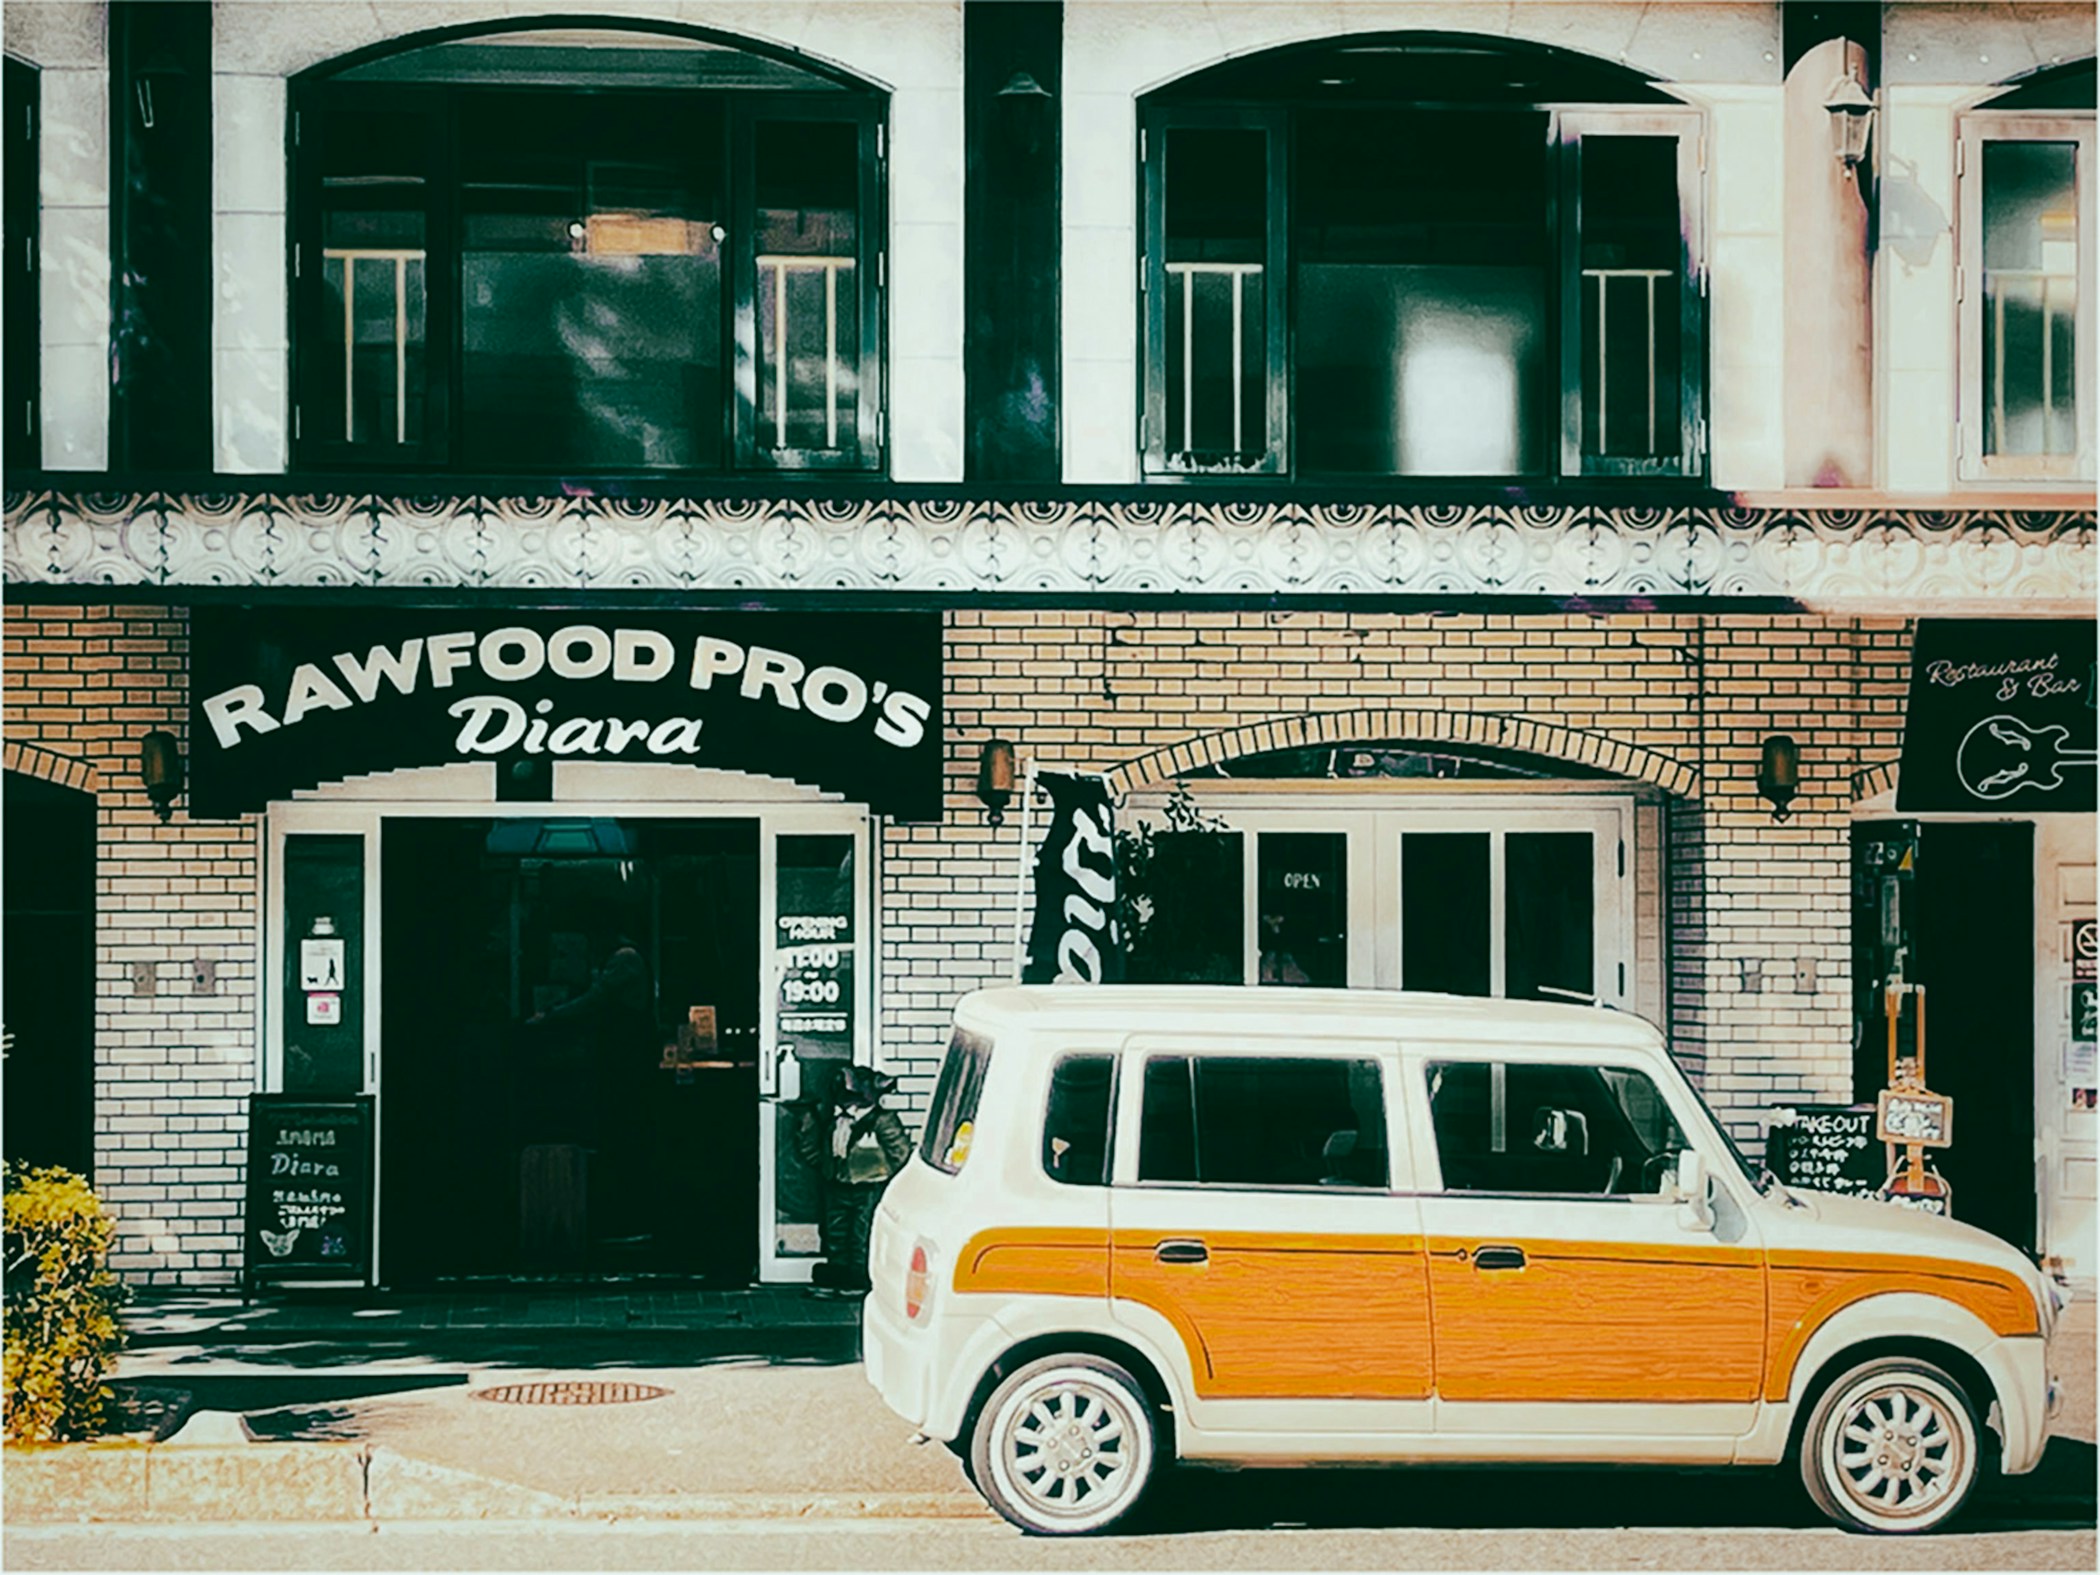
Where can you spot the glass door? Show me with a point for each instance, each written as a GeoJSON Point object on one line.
{"type": "Point", "coordinates": [816, 1011]}
{"type": "Point", "coordinates": [1527, 897]}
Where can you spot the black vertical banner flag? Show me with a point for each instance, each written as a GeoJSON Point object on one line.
{"type": "Point", "coordinates": [1077, 937]}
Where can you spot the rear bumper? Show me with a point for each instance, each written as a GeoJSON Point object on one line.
{"type": "Point", "coordinates": [897, 1359]}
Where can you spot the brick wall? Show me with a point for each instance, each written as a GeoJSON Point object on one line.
{"type": "Point", "coordinates": [1759, 922]}
{"type": "Point", "coordinates": [173, 1062]}
{"type": "Point", "coordinates": [1678, 702]}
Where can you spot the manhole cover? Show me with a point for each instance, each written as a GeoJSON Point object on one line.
{"type": "Point", "coordinates": [570, 1394]}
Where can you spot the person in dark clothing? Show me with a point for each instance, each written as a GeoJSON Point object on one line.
{"type": "Point", "coordinates": [854, 1143]}
{"type": "Point", "coordinates": [611, 1028]}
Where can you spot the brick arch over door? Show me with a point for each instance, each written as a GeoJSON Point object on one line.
{"type": "Point", "coordinates": [1485, 729]}
{"type": "Point", "coordinates": [49, 766]}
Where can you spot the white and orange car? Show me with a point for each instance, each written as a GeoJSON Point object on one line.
{"type": "Point", "coordinates": [1296, 1226]}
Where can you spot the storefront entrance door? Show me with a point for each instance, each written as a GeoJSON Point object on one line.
{"type": "Point", "coordinates": [568, 1047]}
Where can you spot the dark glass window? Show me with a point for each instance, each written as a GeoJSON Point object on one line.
{"type": "Point", "coordinates": [1490, 289]}
{"type": "Point", "coordinates": [19, 107]}
{"type": "Point", "coordinates": [1549, 915]}
{"type": "Point", "coordinates": [324, 926]}
{"type": "Point", "coordinates": [951, 1120]}
{"type": "Point", "coordinates": [2030, 298]}
{"type": "Point", "coordinates": [1630, 283]}
{"type": "Point", "coordinates": [1304, 880]}
{"type": "Point", "coordinates": [1444, 933]}
{"type": "Point", "coordinates": [1518, 1127]}
{"type": "Point", "coordinates": [1186, 899]}
{"type": "Point", "coordinates": [1076, 1120]}
{"type": "Point", "coordinates": [533, 277]}
{"type": "Point", "coordinates": [1257, 1121]}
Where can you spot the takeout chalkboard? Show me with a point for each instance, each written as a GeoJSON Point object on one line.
{"type": "Point", "coordinates": [1827, 1148]}
{"type": "Point", "coordinates": [309, 1188]}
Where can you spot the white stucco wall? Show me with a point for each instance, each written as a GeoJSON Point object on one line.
{"type": "Point", "coordinates": [68, 41]}
{"type": "Point", "coordinates": [1725, 55]}
{"type": "Point", "coordinates": [911, 47]}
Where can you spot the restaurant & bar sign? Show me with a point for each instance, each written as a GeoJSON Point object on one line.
{"type": "Point", "coordinates": [2001, 717]}
{"type": "Point", "coordinates": [847, 702]}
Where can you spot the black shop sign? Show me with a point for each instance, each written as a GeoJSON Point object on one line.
{"type": "Point", "coordinates": [2001, 717]}
{"type": "Point", "coordinates": [848, 702]}
{"type": "Point", "coordinates": [1827, 1148]}
{"type": "Point", "coordinates": [309, 1189]}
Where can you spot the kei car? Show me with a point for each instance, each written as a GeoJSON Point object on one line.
{"type": "Point", "coordinates": [1260, 1226]}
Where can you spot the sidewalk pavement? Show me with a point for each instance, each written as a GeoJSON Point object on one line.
{"type": "Point", "coordinates": [292, 1417]}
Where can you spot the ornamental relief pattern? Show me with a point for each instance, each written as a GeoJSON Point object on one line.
{"type": "Point", "coordinates": [1159, 547]}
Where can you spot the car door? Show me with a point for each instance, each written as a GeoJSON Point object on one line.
{"type": "Point", "coordinates": [1254, 1217]}
{"type": "Point", "coordinates": [1561, 1268]}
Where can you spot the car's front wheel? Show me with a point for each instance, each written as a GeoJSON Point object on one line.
{"type": "Point", "coordinates": [1065, 1445]}
{"type": "Point", "coordinates": [1892, 1446]}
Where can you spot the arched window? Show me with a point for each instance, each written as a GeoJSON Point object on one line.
{"type": "Point", "coordinates": [586, 250]}
{"type": "Point", "coordinates": [1422, 256]}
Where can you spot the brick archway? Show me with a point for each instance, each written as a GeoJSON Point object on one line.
{"type": "Point", "coordinates": [1485, 729]}
{"type": "Point", "coordinates": [48, 766]}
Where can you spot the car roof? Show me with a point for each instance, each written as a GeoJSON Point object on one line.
{"type": "Point", "coordinates": [1168, 1008]}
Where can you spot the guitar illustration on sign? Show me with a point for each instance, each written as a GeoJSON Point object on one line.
{"type": "Point", "coordinates": [2002, 754]}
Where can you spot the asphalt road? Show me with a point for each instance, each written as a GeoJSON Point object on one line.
{"type": "Point", "coordinates": [928, 1545]}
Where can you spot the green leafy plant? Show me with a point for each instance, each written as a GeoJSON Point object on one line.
{"type": "Point", "coordinates": [61, 1304]}
{"type": "Point", "coordinates": [1180, 880]}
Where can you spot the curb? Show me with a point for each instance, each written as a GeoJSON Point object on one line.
{"type": "Point", "coordinates": [336, 1483]}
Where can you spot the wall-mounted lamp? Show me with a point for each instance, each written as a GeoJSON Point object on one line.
{"type": "Point", "coordinates": [1851, 110]}
{"type": "Point", "coordinates": [995, 778]}
{"type": "Point", "coordinates": [1022, 84]}
{"type": "Point", "coordinates": [160, 769]}
{"type": "Point", "coordinates": [1779, 774]}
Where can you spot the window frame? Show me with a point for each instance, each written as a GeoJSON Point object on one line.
{"type": "Point", "coordinates": [1566, 130]}
{"type": "Point", "coordinates": [746, 111]}
{"type": "Point", "coordinates": [1156, 121]}
{"type": "Point", "coordinates": [439, 448]}
{"type": "Point", "coordinates": [1430, 1165]}
{"type": "Point", "coordinates": [1973, 130]}
{"type": "Point", "coordinates": [24, 354]}
{"type": "Point", "coordinates": [1572, 131]}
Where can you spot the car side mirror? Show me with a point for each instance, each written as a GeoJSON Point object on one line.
{"type": "Point", "coordinates": [1560, 1131]}
{"type": "Point", "coordinates": [1695, 1209]}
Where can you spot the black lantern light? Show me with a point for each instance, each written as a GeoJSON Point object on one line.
{"type": "Point", "coordinates": [160, 769]}
{"type": "Point", "coordinates": [1851, 110]}
{"type": "Point", "coordinates": [1779, 773]}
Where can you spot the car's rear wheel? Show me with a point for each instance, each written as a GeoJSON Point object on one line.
{"type": "Point", "coordinates": [1065, 1445]}
{"type": "Point", "coordinates": [1891, 1447]}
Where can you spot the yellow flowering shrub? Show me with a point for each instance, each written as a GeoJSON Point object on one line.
{"type": "Point", "coordinates": [61, 1302]}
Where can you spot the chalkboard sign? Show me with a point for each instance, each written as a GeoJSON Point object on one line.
{"type": "Point", "coordinates": [309, 1188]}
{"type": "Point", "coordinates": [1827, 1148]}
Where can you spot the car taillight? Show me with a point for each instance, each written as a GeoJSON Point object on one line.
{"type": "Point", "coordinates": [915, 1283]}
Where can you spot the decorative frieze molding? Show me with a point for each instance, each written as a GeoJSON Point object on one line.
{"type": "Point", "coordinates": [2029, 560]}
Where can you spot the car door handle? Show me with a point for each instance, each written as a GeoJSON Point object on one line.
{"type": "Point", "coordinates": [1498, 1257]}
{"type": "Point", "coordinates": [1181, 1252]}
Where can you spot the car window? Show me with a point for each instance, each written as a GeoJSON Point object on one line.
{"type": "Point", "coordinates": [951, 1122]}
{"type": "Point", "coordinates": [1075, 1120]}
{"type": "Point", "coordinates": [1519, 1127]}
{"type": "Point", "coordinates": [1263, 1121]}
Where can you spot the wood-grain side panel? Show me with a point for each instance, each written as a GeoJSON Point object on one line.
{"type": "Point", "coordinates": [1036, 1261]}
{"type": "Point", "coordinates": [1599, 1321]}
{"type": "Point", "coordinates": [1807, 1289]}
{"type": "Point", "coordinates": [1283, 1315]}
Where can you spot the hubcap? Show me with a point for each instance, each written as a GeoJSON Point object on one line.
{"type": "Point", "coordinates": [1069, 1449]}
{"type": "Point", "coordinates": [1899, 1452]}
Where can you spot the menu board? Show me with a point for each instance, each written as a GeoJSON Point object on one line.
{"type": "Point", "coordinates": [815, 948]}
{"type": "Point", "coordinates": [1827, 1148]}
{"type": "Point", "coordinates": [309, 1188]}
